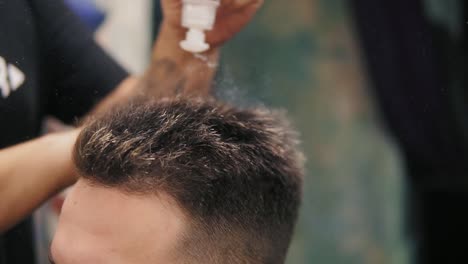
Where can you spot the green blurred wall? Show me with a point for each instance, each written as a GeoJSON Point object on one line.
{"type": "Point", "coordinates": [302, 55]}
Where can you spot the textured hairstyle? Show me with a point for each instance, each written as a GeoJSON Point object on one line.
{"type": "Point", "coordinates": [236, 173]}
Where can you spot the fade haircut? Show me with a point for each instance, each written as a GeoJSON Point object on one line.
{"type": "Point", "coordinates": [236, 173]}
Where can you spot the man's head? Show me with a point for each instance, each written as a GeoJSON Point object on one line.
{"type": "Point", "coordinates": [182, 181]}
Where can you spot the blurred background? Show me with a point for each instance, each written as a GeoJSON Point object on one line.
{"type": "Point", "coordinates": [304, 56]}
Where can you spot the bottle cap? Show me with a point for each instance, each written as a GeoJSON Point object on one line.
{"type": "Point", "coordinates": [195, 41]}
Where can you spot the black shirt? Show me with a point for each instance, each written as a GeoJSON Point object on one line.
{"type": "Point", "coordinates": [49, 65]}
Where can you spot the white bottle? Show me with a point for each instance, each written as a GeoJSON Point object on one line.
{"type": "Point", "coordinates": [198, 16]}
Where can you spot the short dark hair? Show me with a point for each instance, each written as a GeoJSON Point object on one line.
{"type": "Point", "coordinates": [236, 172]}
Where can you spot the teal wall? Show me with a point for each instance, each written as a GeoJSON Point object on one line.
{"type": "Point", "coordinates": [302, 55]}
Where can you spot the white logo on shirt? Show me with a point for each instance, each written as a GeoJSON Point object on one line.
{"type": "Point", "coordinates": [11, 78]}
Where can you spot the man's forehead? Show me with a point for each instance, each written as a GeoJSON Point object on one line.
{"type": "Point", "coordinates": [125, 224]}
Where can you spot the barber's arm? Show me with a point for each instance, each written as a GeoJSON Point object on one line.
{"type": "Point", "coordinates": [172, 70]}
{"type": "Point", "coordinates": [33, 171]}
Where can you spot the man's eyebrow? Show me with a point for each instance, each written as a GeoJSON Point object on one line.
{"type": "Point", "coordinates": [51, 259]}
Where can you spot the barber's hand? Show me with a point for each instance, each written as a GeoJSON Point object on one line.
{"type": "Point", "coordinates": [174, 71]}
{"type": "Point", "coordinates": [231, 17]}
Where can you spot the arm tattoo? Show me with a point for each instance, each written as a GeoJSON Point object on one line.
{"type": "Point", "coordinates": [164, 78]}
{"type": "Point", "coordinates": [167, 78]}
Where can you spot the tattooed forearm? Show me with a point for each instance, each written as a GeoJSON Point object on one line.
{"type": "Point", "coordinates": [164, 78]}
{"type": "Point", "coordinates": [167, 78]}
